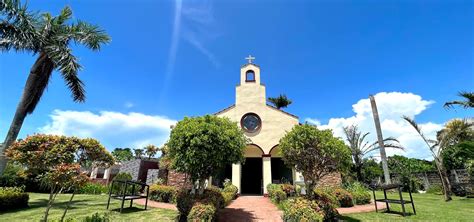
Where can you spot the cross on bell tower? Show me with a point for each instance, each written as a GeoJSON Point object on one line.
{"type": "Point", "coordinates": [250, 58]}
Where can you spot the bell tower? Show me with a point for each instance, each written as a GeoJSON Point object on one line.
{"type": "Point", "coordinates": [250, 90]}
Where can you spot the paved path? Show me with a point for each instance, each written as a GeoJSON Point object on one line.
{"type": "Point", "coordinates": [152, 203]}
{"type": "Point", "coordinates": [250, 208]}
{"type": "Point", "coordinates": [361, 208]}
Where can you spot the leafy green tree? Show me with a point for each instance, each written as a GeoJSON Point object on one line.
{"type": "Point", "coordinates": [371, 171]}
{"type": "Point", "coordinates": [122, 154]}
{"type": "Point", "coordinates": [138, 153]}
{"type": "Point", "coordinates": [406, 168]}
{"type": "Point", "coordinates": [57, 161]}
{"type": "Point", "coordinates": [201, 146]}
{"type": "Point", "coordinates": [280, 102]}
{"type": "Point", "coordinates": [49, 37]}
{"type": "Point", "coordinates": [360, 148]}
{"type": "Point", "coordinates": [151, 150]}
{"type": "Point", "coordinates": [315, 153]}
{"type": "Point", "coordinates": [458, 156]}
{"type": "Point", "coordinates": [467, 103]}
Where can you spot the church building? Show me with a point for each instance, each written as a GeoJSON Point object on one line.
{"type": "Point", "coordinates": [264, 125]}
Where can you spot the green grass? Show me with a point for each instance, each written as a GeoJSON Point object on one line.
{"type": "Point", "coordinates": [429, 207]}
{"type": "Point", "coordinates": [85, 205]}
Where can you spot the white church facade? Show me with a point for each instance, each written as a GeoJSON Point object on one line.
{"type": "Point", "coordinates": [264, 125]}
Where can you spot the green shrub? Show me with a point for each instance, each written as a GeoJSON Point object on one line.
{"type": "Point", "coordinates": [230, 188]}
{"type": "Point", "coordinates": [201, 212]}
{"type": "Point", "coordinates": [228, 197]}
{"type": "Point", "coordinates": [93, 188]}
{"type": "Point", "coordinates": [435, 189]}
{"type": "Point", "coordinates": [343, 197]}
{"type": "Point", "coordinates": [360, 194]}
{"type": "Point", "coordinates": [97, 218]}
{"type": "Point", "coordinates": [163, 193]}
{"type": "Point", "coordinates": [13, 198]}
{"type": "Point", "coordinates": [300, 209]}
{"type": "Point", "coordinates": [118, 187]}
{"type": "Point", "coordinates": [325, 196]}
{"type": "Point", "coordinates": [184, 203]}
{"type": "Point", "coordinates": [213, 195]}
{"type": "Point", "coordinates": [288, 189]}
{"type": "Point", "coordinates": [276, 192]}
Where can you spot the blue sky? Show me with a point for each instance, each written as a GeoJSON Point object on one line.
{"type": "Point", "coordinates": [170, 59]}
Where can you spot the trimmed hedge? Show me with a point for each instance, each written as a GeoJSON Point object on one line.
{"type": "Point", "coordinates": [360, 193]}
{"type": "Point", "coordinates": [344, 197]}
{"type": "Point", "coordinates": [300, 209]}
{"type": "Point", "coordinates": [201, 212]}
{"type": "Point", "coordinates": [163, 193]}
{"type": "Point", "coordinates": [326, 196]}
{"type": "Point", "coordinates": [93, 188]}
{"type": "Point", "coordinates": [276, 192]}
{"type": "Point", "coordinates": [13, 198]}
{"type": "Point", "coordinates": [186, 201]}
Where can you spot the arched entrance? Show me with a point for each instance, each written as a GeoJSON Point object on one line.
{"type": "Point", "coordinates": [281, 173]}
{"type": "Point", "coordinates": [251, 182]}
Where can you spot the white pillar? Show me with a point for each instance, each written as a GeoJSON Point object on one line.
{"type": "Point", "coordinates": [94, 172]}
{"type": "Point", "coordinates": [107, 173]}
{"type": "Point", "coordinates": [267, 172]}
{"type": "Point", "coordinates": [236, 172]}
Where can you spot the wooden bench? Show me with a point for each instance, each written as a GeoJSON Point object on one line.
{"type": "Point", "coordinates": [400, 201]}
{"type": "Point", "coordinates": [127, 190]}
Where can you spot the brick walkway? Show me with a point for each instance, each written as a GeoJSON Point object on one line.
{"type": "Point", "coordinates": [152, 203]}
{"type": "Point", "coordinates": [361, 208]}
{"type": "Point", "coordinates": [250, 208]}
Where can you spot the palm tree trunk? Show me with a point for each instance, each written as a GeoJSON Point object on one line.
{"type": "Point", "coordinates": [383, 155]}
{"type": "Point", "coordinates": [34, 87]}
{"type": "Point", "coordinates": [443, 174]}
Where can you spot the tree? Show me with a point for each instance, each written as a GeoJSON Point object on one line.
{"type": "Point", "coordinates": [58, 160]}
{"type": "Point", "coordinates": [436, 150]}
{"type": "Point", "coordinates": [454, 132]}
{"type": "Point", "coordinates": [406, 168]}
{"type": "Point", "coordinates": [371, 171]}
{"type": "Point", "coordinates": [280, 102]}
{"type": "Point", "coordinates": [122, 154]}
{"type": "Point", "coordinates": [458, 156]}
{"type": "Point", "coordinates": [138, 153]}
{"type": "Point", "coordinates": [201, 146]}
{"type": "Point", "coordinates": [151, 150]}
{"type": "Point", "coordinates": [466, 104]}
{"type": "Point", "coordinates": [49, 37]}
{"type": "Point", "coordinates": [315, 153]}
{"type": "Point", "coordinates": [360, 148]}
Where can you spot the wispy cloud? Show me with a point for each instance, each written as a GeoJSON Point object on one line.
{"type": "Point", "coordinates": [129, 105]}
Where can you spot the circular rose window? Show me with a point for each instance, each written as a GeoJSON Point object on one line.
{"type": "Point", "coordinates": [250, 122]}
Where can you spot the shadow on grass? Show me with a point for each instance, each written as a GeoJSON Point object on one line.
{"type": "Point", "coordinates": [128, 210]}
{"type": "Point", "coordinates": [348, 218]}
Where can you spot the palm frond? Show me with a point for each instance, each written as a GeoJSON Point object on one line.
{"type": "Point", "coordinates": [68, 66]}
{"type": "Point", "coordinates": [90, 35]}
{"type": "Point", "coordinates": [468, 103]}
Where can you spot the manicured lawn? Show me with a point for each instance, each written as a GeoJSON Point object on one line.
{"type": "Point", "coordinates": [85, 205]}
{"type": "Point", "coordinates": [429, 207]}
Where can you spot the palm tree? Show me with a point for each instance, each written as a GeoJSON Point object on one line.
{"type": "Point", "coordinates": [280, 102]}
{"type": "Point", "coordinates": [49, 37]}
{"type": "Point", "coordinates": [138, 153]}
{"type": "Point", "coordinates": [151, 150]}
{"type": "Point", "coordinates": [467, 103]}
{"type": "Point", "coordinates": [436, 148]}
{"type": "Point", "coordinates": [360, 148]}
{"type": "Point", "coordinates": [454, 132]}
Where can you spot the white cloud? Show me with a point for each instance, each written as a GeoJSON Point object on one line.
{"type": "Point", "coordinates": [129, 105]}
{"type": "Point", "coordinates": [112, 129]}
{"type": "Point", "coordinates": [313, 121]}
{"type": "Point", "coordinates": [391, 107]}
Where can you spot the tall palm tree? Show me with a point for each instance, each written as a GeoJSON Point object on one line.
{"type": "Point", "coordinates": [49, 37]}
{"type": "Point", "coordinates": [466, 104]}
{"type": "Point", "coordinates": [151, 150]}
{"type": "Point", "coordinates": [280, 102]}
{"type": "Point", "coordinates": [360, 148]}
{"type": "Point", "coordinates": [454, 132]}
{"type": "Point", "coordinates": [436, 148]}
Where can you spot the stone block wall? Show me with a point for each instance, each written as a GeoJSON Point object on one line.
{"type": "Point", "coordinates": [152, 176]}
{"type": "Point", "coordinates": [331, 180]}
{"type": "Point", "coordinates": [132, 167]}
{"type": "Point", "coordinates": [178, 179]}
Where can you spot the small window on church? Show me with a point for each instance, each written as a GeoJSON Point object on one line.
{"type": "Point", "coordinates": [250, 76]}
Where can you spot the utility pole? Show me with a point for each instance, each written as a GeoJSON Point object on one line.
{"type": "Point", "coordinates": [383, 155]}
